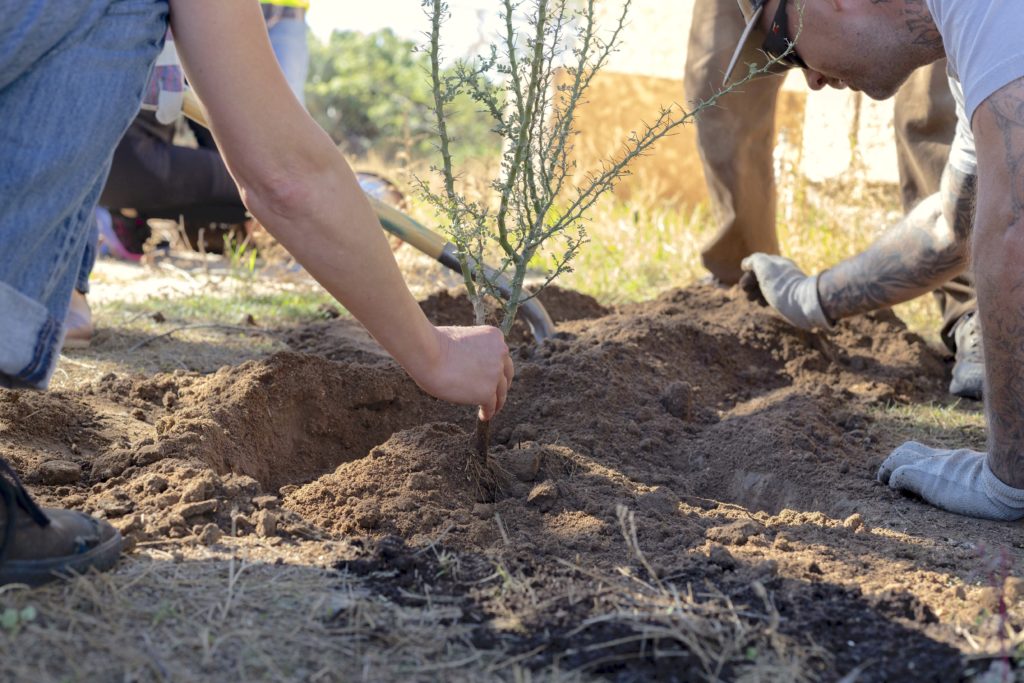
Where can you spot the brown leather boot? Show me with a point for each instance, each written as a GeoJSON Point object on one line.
{"type": "Point", "coordinates": [39, 545]}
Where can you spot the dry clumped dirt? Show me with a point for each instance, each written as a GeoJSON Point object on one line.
{"type": "Point", "coordinates": [691, 443]}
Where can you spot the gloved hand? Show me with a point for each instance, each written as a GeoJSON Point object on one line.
{"type": "Point", "coordinates": [165, 91]}
{"type": "Point", "coordinates": [959, 481]}
{"type": "Point", "coordinates": [786, 289]}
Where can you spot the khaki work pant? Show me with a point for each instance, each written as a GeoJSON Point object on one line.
{"type": "Point", "coordinates": [736, 140]}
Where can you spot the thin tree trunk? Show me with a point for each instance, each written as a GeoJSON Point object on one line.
{"type": "Point", "coordinates": [482, 440]}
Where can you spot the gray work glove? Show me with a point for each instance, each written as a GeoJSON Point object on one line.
{"type": "Point", "coordinates": [786, 289]}
{"type": "Point", "coordinates": [959, 481]}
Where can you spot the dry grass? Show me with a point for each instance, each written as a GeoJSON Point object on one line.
{"type": "Point", "coordinates": [246, 613]}
{"type": "Point", "coordinates": [213, 616]}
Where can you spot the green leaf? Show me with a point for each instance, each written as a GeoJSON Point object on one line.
{"type": "Point", "coordinates": [9, 619]}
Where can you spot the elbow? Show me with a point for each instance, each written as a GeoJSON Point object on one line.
{"type": "Point", "coordinates": [286, 190]}
{"type": "Point", "coordinates": [999, 241]}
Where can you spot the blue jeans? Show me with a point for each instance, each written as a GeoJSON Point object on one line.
{"type": "Point", "coordinates": [72, 73]}
{"type": "Point", "coordinates": [288, 38]}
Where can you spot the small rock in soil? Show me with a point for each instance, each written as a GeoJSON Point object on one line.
{"type": "Point", "coordinates": [200, 488]}
{"type": "Point", "coordinates": [111, 464]}
{"type": "Point", "coordinates": [368, 517]}
{"type": "Point", "coordinates": [719, 555]}
{"type": "Point", "coordinates": [483, 510]}
{"type": "Point", "coordinates": [677, 400]}
{"type": "Point", "coordinates": [188, 510]}
{"type": "Point", "coordinates": [129, 524]}
{"type": "Point", "coordinates": [419, 481]}
{"type": "Point", "coordinates": [242, 525]}
{"type": "Point", "coordinates": [782, 544]}
{"type": "Point", "coordinates": [56, 472]}
{"type": "Point", "coordinates": [543, 495]}
{"type": "Point", "coordinates": [736, 533]}
{"type": "Point", "coordinates": [854, 522]}
{"type": "Point", "coordinates": [154, 484]}
{"type": "Point", "coordinates": [266, 523]}
{"type": "Point", "coordinates": [522, 464]}
{"type": "Point", "coordinates": [114, 507]}
{"type": "Point", "coordinates": [661, 501]}
{"type": "Point", "coordinates": [167, 500]}
{"type": "Point", "coordinates": [266, 502]}
{"type": "Point", "coordinates": [210, 534]}
{"type": "Point", "coordinates": [147, 455]}
{"type": "Point", "coordinates": [523, 432]}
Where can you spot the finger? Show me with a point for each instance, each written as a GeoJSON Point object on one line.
{"type": "Point", "coordinates": [508, 369]}
{"type": "Point", "coordinates": [909, 479]}
{"type": "Point", "coordinates": [909, 453]}
{"type": "Point", "coordinates": [502, 393]}
{"type": "Point", "coordinates": [487, 410]}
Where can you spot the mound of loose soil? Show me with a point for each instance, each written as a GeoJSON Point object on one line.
{"type": "Point", "coordinates": [695, 396]}
{"type": "Point", "coordinates": [695, 436]}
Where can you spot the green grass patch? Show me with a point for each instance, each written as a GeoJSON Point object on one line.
{"type": "Point", "coordinates": [267, 309]}
{"type": "Point", "coordinates": [954, 425]}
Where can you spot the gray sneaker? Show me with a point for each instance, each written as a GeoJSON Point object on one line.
{"type": "Point", "coordinates": [969, 369]}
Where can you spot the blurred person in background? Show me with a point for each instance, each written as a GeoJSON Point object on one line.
{"type": "Point", "coordinates": [736, 141]}
{"type": "Point", "coordinates": [152, 177]}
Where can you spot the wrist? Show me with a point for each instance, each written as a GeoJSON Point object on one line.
{"type": "Point", "coordinates": [423, 352]}
{"type": "Point", "coordinates": [821, 315]}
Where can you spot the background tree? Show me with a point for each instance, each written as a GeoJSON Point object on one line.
{"type": "Point", "coordinates": [370, 92]}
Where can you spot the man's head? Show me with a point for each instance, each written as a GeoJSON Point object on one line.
{"type": "Point", "coordinates": [867, 45]}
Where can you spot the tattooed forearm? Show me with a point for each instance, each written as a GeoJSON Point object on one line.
{"type": "Point", "coordinates": [999, 249]}
{"type": "Point", "coordinates": [921, 25]}
{"type": "Point", "coordinates": [913, 257]}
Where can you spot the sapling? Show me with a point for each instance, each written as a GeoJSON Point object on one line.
{"type": "Point", "coordinates": [531, 82]}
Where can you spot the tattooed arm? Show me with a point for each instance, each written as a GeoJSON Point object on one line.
{"type": "Point", "coordinates": [999, 270]}
{"type": "Point", "coordinates": [925, 249]}
{"type": "Point", "coordinates": [989, 485]}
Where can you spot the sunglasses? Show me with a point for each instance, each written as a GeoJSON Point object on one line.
{"type": "Point", "coordinates": [777, 43]}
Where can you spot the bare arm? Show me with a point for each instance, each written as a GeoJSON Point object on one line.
{"type": "Point", "coordinates": [999, 272]}
{"type": "Point", "coordinates": [925, 249]}
{"type": "Point", "coordinates": [294, 180]}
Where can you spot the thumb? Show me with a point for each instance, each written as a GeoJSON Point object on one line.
{"type": "Point", "coordinates": [749, 263]}
{"type": "Point", "coordinates": [908, 454]}
{"type": "Point", "coordinates": [916, 480]}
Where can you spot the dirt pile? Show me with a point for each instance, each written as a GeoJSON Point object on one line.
{"type": "Point", "coordinates": [696, 437]}
{"type": "Point", "coordinates": [658, 408]}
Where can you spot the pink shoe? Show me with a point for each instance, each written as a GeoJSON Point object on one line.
{"type": "Point", "coordinates": [120, 237]}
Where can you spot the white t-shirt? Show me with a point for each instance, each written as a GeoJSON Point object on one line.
{"type": "Point", "coordinates": [984, 41]}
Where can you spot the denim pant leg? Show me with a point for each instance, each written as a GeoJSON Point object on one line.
{"type": "Point", "coordinates": [72, 74]}
{"type": "Point", "coordinates": [288, 38]}
{"type": "Point", "coordinates": [89, 257]}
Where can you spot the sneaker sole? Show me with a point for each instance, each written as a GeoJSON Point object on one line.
{"type": "Point", "coordinates": [37, 572]}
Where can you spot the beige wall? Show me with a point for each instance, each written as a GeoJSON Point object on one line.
{"type": "Point", "coordinates": [824, 133]}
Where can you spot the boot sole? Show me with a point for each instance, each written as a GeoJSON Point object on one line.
{"type": "Point", "coordinates": [37, 572]}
